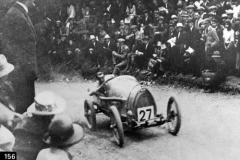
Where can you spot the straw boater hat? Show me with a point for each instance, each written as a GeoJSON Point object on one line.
{"type": "Point", "coordinates": [216, 54]}
{"type": "Point", "coordinates": [211, 13]}
{"type": "Point", "coordinates": [224, 15]}
{"type": "Point", "coordinates": [133, 27]}
{"type": "Point", "coordinates": [121, 40]}
{"type": "Point", "coordinates": [212, 8]}
{"type": "Point", "coordinates": [47, 103]}
{"type": "Point", "coordinates": [230, 11]}
{"type": "Point", "coordinates": [173, 16]}
{"type": "Point", "coordinates": [62, 132]}
{"type": "Point", "coordinates": [53, 154]}
{"type": "Point", "coordinates": [190, 7]}
{"type": "Point", "coordinates": [5, 67]}
{"type": "Point", "coordinates": [179, 25]}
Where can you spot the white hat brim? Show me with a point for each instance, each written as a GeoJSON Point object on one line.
{"type": "Point", "coordinates": [60, 103]}
{"type": "Point", "coordinates": [7, 70]}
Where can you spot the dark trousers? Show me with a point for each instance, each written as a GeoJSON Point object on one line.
{"type": "Point", "coordinates": [24, 95]}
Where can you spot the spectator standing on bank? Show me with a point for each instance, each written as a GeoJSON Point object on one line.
{"type": "Point", "coordinates": [19, 46]}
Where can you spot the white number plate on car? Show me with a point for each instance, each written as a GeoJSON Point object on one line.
{"type": "Point", "coordinates": [145, 113]}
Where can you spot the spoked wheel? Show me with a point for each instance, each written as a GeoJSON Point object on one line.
{"type": "Point", "coordinates": [173, 116]}
{"type": "Point", "coordinates": [116, 125]}
{"type": "Point", "coordinates": [90, 114]}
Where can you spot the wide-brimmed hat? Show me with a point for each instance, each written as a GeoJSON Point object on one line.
{"type": "Point", "coordinates": [92, 37]}
{"type": "Point", "coordinates": [216, 54]}
{"type": "Point", "coordinates": [211, 13]}
{"type": "Point", "coordinates": [179, 25]}
{"type": "Point", "coordinates": [47, 103]}
{"type": "Point", "coordinates": [212, 8]}
{"type": "Point", "coordinates": [121, 40]}
{"type": "Point", "coordinates": [53, 154]}
{"type": "Point", "coordinates": [224, 15]}
{"type": "Point", "coordinates": [133, 27]}
{"type": "Point", "coordinates": [161, 18]}
{"type": "Point", "coordinates": [184, 15]}
{"type": "Point", "coordinates": [230, 11]}
{"type": "Point", "coordinates": [190, 7]}
{"type": "Point", "coordinates": [62, 132]}
{"type": "Point", "coordinates": [5, 67]}
{"type": "Point", "coordinates": [173, 16]}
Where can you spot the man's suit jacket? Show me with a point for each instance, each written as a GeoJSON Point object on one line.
{"type": "Point", "coordinates": [193, 38]}
{"type": "Point", "coordinates": [19, 44]}
{"type": "Point", "coordinates": [111, 46]}
{"type": "Point", "coordinates": [148, 52]}
{"type": "Point", "coordinates": [147, 20]}
{"type": "Point", "coordinates": [212, 39]}
{"type": "Point", "coordinates": [182, 39]}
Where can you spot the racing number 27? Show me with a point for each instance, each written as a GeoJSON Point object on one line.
{"type": "Point", "coordinates": [143, 113]}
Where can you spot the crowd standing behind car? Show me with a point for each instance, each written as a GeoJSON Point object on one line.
{"type": "Point", "coordinates": [163, 37]}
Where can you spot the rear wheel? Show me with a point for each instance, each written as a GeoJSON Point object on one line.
{"type": "Point", "coordinates": [90, 114]}
{"type": "Point", "coordinates": [116, 125]}
{"type": "Point", "coordinates": [173, 116]}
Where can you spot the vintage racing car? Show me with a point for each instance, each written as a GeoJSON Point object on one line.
{"type": "Point", "coordinates": [129, 106]}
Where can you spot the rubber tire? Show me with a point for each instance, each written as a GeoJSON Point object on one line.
{"type": "Point", "coordinates": [119, 127]}
{"type": "Point", "coordinates": [179, 116]}
{"type": "Point", "coordinates": [93, 122]}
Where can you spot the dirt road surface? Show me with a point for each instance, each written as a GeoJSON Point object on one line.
{"type": "Point", "coordinates": [210, 127]}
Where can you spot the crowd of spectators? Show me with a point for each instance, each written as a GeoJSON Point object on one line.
{"type": "Point", "coordinates": [162, 37]}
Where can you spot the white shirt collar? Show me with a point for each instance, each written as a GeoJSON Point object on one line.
{"type": "Point", "coordinates": [23, 5]}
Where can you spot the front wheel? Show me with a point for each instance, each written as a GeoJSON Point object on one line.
{"type": "Point", "coordinates": [90, 114]}
{"type": "Point", "coordinates": [173, 116]}
{"type": "Point", "coordinates": [116, 125]}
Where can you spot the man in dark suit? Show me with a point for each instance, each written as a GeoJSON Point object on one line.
{"type": "Point", "coordinates": [193, 42]}
{"type": "Point", "coordinates": [144, 53]}
{"type": "Point", "coordinates": [109, 47]}
{"type": "Point", "coordinates": [181, 46]}
{"type": "Point", "coordinates": [94, 51]}
{"type": "Point", "coordinates": [146, 19]}
{"type": "Point", "coordinates": [19, 46]}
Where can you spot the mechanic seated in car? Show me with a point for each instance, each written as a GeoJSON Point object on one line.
{"type": "Point", "coordinates": [120, 57]}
